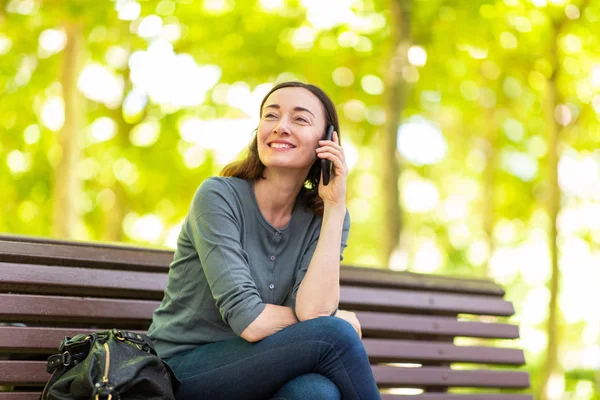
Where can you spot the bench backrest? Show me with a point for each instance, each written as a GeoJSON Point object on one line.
{"type": "Point", "coordinates": [50, 289]}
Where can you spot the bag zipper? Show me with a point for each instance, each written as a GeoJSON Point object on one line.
{"type": "Point", "coordinates": [106, 370]}
{"type": "Point", "coordinates": [106, 363]}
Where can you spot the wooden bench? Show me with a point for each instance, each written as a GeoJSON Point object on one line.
{"type": "Point", "coordinates": [50, 289]}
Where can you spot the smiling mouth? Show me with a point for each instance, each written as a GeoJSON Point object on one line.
{"type": "Point", "coordinates": [278, 146]}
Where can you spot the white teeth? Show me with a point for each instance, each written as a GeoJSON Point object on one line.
{"type": "Point", "coordinates": [281, 146]}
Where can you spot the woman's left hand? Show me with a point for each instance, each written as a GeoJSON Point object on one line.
{"type": "Point", "coordinates": [335, 191]}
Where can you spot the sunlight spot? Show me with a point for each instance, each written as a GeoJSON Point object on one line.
{"type": "Point", "coordinates": [347, 39]}
{"type": "Point", "coordinates": [508, 40]}
{"type": "Point", "coordinates": [376, 115]}
{"type": "Point", "coordinates": [218, 6]}
{"type": "Point", "coordinates": [150, 27]}
{"type": "Point", "coordinates": [571, 44]}
{"type": "Point", "coordinates": [571, 11]}
{"type": "Point", "coordinates": [421, 141]}
{"type": "Point", "coordinates": [417, 56]}
{"type": "Point", "coordinates": [226, 137]}
{"type": "Point", "coordinates": [478, 253]}
{"type": "Point", "coordinates": [103, 129]}
{"type": "Point", "coordinates": [398, 260]}
{"type": "Point", "coordinates": [303, 38]}
{"type": "Point", "coordinates": [5, 44]}
{"type": "Point", "coordinates": [18, 162]}
{"type": "Point", "coordinates": [271, 5]}
{"type": "Point", "coordinates": [146, 228]}
{"type": "Point", "coordinates": [419, 195]}
{"type": "Point", "coordinates": [555, 387]}
{"type": "Point", "coordinates": [324, 15]}
{"type": "Point", "coordinates": [128, 10]}
{"type": "Point", "coordinates": [194, 156]}
{"type": "Point", "coordinates": [117, 57]}
{"type": "Point", "coordinates": [343, 76]}
{"type": "Point", "coordinates": [125, 171]}
{"type": "Point", "coordinates": [52, 41]}
{"type": "Point", "coordinates": [32, 134]}
{"type": "Point", "coordinates": [100, 84]}
{"type": "Point", "coordinates": [171, 80]}
{"type": "Point", "coordinates": [372, 84]}
{"type": "Point", "coordinates": [410, 74]}
{"type": "Point", "coordinates": [355, 110]}
{"type": "Point", "coordinates": [145, 134]}
{"type": "Point", "coordinates": [428, 257]}
{"type": "Point", "coordinates": [522, 165]}
{"type": "Point", "coordinates": [595, 77]}
{"type": "Point", "coordinates": [53, 113]}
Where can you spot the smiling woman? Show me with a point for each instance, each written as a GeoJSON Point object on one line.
{"type": "Point", "coordinates": [312, 102]}
{"type": "Point", "coordinates": [250, 308]}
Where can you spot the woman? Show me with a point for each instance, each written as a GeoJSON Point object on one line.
{"type": "Point", "coordinates": [250, 307]}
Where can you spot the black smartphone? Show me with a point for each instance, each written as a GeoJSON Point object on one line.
{"type": "Point", "coordinates": [326, 164]}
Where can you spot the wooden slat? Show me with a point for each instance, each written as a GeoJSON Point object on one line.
{"type": "Point", "coordinates": [23, 308]}
{"type": "Point", "coordinates": [446, 377]}
{"type": "Point", "coordinates": [34, 373]}
{"type": "Point", "coordinates": [36, 340]}
{"type": "Point", "coordinates": [81, 254]}
{"type": "Point", "coordinates": [38, 279]}
{"type": "Point", "coordinates": [101, 255]}
{"type": "Point", "coordinates": [425, 396]}
{"type": "Point", "coordinates": [32, 340]}
{"type": "Point", "coordinates": [35, 278]}
{"type": "Point", "coordinates": [411, 351]}
{"type": "Point", "coordinates": [23, 373]}
{"type": "Point", "coordinates": [396, 325]}
{"type": "Point", "coordinates": [69, 309]}
{"type": "Point", "coordinates": [403, 300]}
{"type": "Point", "coordinates": [361, 276]}
{"type": "Point", "coordinates": [20, 396]}
{"type": "Point", "coordinates": [451, 396]}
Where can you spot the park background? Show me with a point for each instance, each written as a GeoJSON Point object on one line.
{"type": "Point", "coordinates": [471, 131]}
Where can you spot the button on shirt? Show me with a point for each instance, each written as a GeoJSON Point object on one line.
{"type": "Point", "coordinates": [229, 263]}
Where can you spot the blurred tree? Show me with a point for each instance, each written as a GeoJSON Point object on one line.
{"type": "Point", "coordinates": [67, 183]}
{"type": "Point", "coordinates": [396, 94]}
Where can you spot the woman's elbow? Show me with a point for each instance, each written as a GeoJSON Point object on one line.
{"type": "Point", "coordinates": [305, 316]}
{"type": "Point", "coordinates": [250, 335]}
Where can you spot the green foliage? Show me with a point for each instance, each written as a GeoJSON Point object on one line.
{"type": "Point", "coordinates": [488, 69]}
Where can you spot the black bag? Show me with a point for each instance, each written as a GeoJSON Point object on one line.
{"type": "Point", "coordinates": [110, 365]}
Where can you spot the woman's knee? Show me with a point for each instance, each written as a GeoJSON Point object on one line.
{"type": "Point", "coordinates": [333, 329]}
{"type": "Point", "coordinates": [308, 386]}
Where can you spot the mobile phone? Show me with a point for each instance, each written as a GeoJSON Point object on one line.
{"type": "Point", "coordinates": [326, 164]}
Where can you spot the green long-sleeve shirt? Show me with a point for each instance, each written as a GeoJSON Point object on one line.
{"type": "Point", "coordinates": [229, 263]}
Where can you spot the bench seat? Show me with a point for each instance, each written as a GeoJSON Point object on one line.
{"type": "Point", "coordinates": [50, 289]}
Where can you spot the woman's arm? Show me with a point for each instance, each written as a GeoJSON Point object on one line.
{"type": "Point", "coordinates": [272, 319]}
{"type": "Point", "coordinates": [319, 292]}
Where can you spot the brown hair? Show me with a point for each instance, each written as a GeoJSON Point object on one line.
{"type": "Point", "coordinates": [251, 168]}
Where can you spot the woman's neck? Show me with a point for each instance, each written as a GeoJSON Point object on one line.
{"type": "Point", "coordinates": [276, 199]}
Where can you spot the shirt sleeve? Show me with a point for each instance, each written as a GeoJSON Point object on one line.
{"type": "Point", "coordinates": [307, 257]}
{"type": "Point", "coordinates": [215, 232]}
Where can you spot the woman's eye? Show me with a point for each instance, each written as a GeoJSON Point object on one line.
{"type": "Point", "coordinates": [302, 120]}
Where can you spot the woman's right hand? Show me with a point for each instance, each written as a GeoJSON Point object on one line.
{"type": "Point", "coordinates": [351, 318]}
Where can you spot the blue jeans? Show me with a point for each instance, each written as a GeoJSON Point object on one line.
{"type": "Point", "coordinates": [321, 358]}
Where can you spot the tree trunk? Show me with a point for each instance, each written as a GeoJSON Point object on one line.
{"type": "Point", "coordinates": [113, 218]}
{"type": "Point", "coordinates": [489, 219]}
{"type": "Point", "coordinates": [396, 91]}
{"type": "Point", "coordinates": [551, 100]}
{"type": "Point", "coordinates": [67, 184]}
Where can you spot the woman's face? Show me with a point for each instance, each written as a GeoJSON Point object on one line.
{"type": "Point", "coordinates": [291, 124]}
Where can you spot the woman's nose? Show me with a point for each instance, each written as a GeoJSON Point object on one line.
{"type": "Point", "coordinates": [282, 126]}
